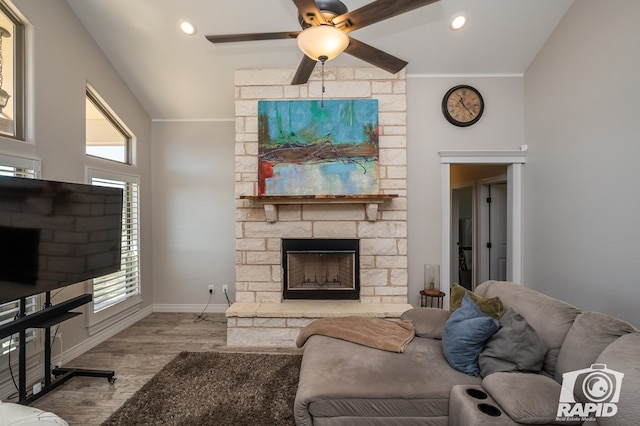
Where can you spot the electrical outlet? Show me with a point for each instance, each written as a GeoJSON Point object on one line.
{"type": "Point", "coordinates": [225, 289]}
{"type": "Point", "coordinates": [211, 289]}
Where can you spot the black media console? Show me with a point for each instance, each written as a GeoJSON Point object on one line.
{"type": "Point", "coordinates": [49, 316]}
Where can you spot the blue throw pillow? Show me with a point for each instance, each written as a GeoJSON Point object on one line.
{"type": "Point", "coordinates": [465, 335]}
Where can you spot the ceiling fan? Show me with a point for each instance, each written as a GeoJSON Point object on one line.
{"type": "Point", "coordinates": [332, 15]}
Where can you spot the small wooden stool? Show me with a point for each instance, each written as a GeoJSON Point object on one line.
{"type": "Point", "coordinates": [427, 298]}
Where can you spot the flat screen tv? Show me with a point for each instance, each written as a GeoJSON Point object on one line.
{"type": "Point", "coordinates": [53, 234]}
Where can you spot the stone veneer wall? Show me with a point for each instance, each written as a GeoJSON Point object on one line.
{"type": "Point", "coordinates": [383, 242]}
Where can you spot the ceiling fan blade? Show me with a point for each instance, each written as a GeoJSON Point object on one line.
{"type": "Point", "coordinates": [304, 70]}
{"type": "Point", "coordinates": [310, 13]}
{"type": "Point", "coordinates": [376, 11]}
{"type": "Point", "coordinates": [375, 56]}
{"type": "Point", "coordinates": [228, 38]}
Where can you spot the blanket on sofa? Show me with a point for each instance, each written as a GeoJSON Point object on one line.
{"type": "Point", "coordinates": [379, 333]}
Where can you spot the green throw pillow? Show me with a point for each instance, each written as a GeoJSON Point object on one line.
{"type": "Point", "coordinates": [490, 306]}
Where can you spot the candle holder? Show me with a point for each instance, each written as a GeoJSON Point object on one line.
{"type": "Point", "coordinates": [432, 277]}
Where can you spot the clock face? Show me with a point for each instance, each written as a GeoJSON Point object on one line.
{"type": "Point", "coordinates": [462, 105]}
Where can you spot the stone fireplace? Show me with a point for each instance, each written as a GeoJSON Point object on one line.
{"type": "Point", "coordinates": [265, 313]}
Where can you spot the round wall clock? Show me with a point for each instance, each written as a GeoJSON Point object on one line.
{"type": "Point", "coordinates": [462, 105]}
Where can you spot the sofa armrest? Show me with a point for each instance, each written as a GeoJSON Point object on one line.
{"type": "Point", "coordinates": [527, 398]}
{"type": "Point", "coordinates": [428, 322]}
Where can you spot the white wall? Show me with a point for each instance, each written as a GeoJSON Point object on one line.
{"type": "Point", "coordinates": [500, 128]}
{"type": "Point", "coordinates": [193, 213]}
{"type": "Point", "coordinates": [63, 58]}
{"type": "Point", "coordinates": [582, 124]}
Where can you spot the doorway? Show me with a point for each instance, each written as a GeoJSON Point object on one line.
{"type": "Point", "coordinates": [507, 261]}
{"type": "Point", "coordinates": [478, 223]}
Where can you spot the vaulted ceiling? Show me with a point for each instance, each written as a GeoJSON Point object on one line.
{"type": "Point", "coordinates": [180, 77]}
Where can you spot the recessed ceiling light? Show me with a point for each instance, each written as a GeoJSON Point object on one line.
{"type": "Point", "coordinates": [187, 27]}
{"type": "Point", "coordinates": [458, 22]}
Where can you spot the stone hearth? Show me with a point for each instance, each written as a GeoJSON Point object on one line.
{"type": "Point", "coordinates": [260, 316]}
{"type": "Point", "coordinates": [278, 324]}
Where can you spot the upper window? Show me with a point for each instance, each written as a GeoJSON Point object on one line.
{"type": "Point", "coordinates": [107, 137]}
{"type": "Point", "coordinates": [11, 74]}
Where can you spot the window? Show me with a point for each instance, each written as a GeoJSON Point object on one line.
{"type": "Point", "coordinates": [25, 168]}
{"type": "Point", "coordinates": [8, 312]}
{"type": "Point", "coordinates": [112, 289]}
{"type": "Point", "coordinates": [106, 136]}
{"type": "Point", "coordinates": [11, 74]}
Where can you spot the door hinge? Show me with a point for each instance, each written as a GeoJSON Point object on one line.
{"type": "Point", "coordinates": [489, 200]}
{"type": "Point", "coordinates": [488, 245]}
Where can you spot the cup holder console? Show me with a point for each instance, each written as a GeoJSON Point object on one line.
{"type": "Point", "coordinates": [489, 410]}
{"type": "Point", "coordinates": [472, 405]}
{"type": "Point", "coordinates": [476, 393]}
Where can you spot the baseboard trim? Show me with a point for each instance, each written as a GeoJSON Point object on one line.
{"type": "Point", "coordinates": [218, 308]}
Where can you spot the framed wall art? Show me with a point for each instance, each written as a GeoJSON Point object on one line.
{"type": "Point", "coordinates": [306, 148]}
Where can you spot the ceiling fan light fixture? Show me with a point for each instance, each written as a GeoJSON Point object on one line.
{"type": "Point", "coordinates": [322, 41]}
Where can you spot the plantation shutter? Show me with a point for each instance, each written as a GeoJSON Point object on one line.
{"type": "Point", "coordinates": [24, 168]}
{"type": "Point", "coordinates": [111, 289]}
{"type": "Point", "coordinates": [8, 312]}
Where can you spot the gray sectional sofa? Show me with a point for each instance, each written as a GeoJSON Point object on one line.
{"type": "Point", "coordinates": [344, 383]}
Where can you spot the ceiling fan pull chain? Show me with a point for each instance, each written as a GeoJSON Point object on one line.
{"type": "Point", "coordinates": [323, 59]}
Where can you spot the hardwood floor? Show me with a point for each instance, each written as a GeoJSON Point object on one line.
{"type": "Point", "coordinates": [136, 354]}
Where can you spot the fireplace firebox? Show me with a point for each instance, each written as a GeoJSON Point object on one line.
{"type": "Point", "coordinates": [317, 268]}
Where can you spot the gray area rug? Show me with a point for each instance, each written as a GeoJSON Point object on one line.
{"type": "Point", "coordinates": [216, 388]}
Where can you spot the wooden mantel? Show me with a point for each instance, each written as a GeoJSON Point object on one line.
{"type": "Point", "coordinates": [270, 202]}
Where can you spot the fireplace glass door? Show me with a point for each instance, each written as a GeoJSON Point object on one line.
{"type": "Point", "coordinates": [320, 273]}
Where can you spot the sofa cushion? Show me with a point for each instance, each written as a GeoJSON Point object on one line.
{"type": "Point", "coordinates": [622, 356]}
{"type": "Point", "coordinates": [346, 380]}
{"type": "Point", "coordinates": [491, 306]}
{"type": "Point", "coordinates": [527, 398]}
{"type": "Point", "coordinates": [590, 333]}
{"type": "Point", "coordinates": [465, 334]}
{"type": "Point", "coordinates": [515, 347]}
{"type": "Point", "coordinates": [428, 322]}
{"type": "Point", "coordinates": [551, 318]}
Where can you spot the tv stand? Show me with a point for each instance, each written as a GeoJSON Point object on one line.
{"type": "Point", "coordinates": [46, 318]}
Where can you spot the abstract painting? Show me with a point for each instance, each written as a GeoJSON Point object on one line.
{"type": "Point", "coordinates": [312, 148]}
